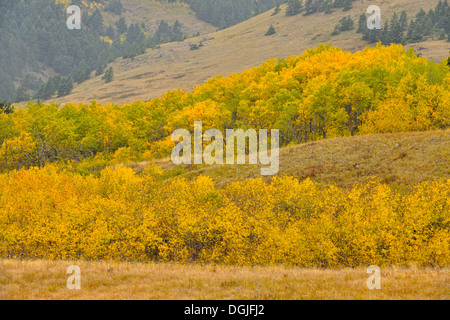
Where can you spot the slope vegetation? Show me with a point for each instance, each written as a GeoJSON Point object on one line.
{"type": "Point", "coordinates": [401, 160]}
{"type": "Point", "coordinates": [324, 93]}
{"type": "Point", "coordinates": [152, 12]}
{"type": "Point", "coordinates": [239, 47]}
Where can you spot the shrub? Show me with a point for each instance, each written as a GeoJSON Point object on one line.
{"type": "Point", "coordinates": [52, 214]}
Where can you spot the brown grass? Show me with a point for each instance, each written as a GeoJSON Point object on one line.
{"type": "Point", "coordinates": [151, 12]}
{"type": "Point", "coordinates": [399, 159]}
{"type": "Point", "coordinates": [239, 47]}
{"type": "Point", "coordinates": [104, 280]}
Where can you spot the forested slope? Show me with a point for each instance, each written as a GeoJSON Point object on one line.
{"type": "Point", "coordinates": [324, 93]}
{"type": "Point", "coordinates": [41, 58]}
{"type": "Point", "coordinates": [183, 65]}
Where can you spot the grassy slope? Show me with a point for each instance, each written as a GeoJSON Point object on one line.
{"type": "Point", "coordinates": [231, 50]}
{"type": "Point", "coordinates": [104, 280]}
{"type": "Point", "coordinates": [400, 160]}
{"type": "Point", "coordinates": [152, 12]}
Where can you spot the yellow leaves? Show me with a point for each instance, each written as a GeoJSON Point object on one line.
{"type": "Point", "coordinates": [91, 5]}
{"type": "Point", "coordinates": [212, 115]}
{"type": "Point", "coordinates": [124, 155]}
{"type": "Point", "coordinates": [48, 213]}
{"type": "Point", "coordinates": [390, 116]}
{"type": "Point", "coordinates": [66, 3]}
{"type": "Point", "coordinates": [120, 180]}
{"type": "Point", "coordinates": [16, 151]}
{"type": "Point", "coordinates": [326, 92]}
{"type": "Point", "coordinates": [447, 82]}
{"type": "Point", "coordinates": [161, 148]}
{"type": "Point", "coordinates": [107, 40]}
{"type": "Point", "coordinates": [413, 105]}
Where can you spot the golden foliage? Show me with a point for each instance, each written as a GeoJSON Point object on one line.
{"type": "Point", "coordinates": [326, 92]}
{"type": "Point", "coordinates": [49, 213]}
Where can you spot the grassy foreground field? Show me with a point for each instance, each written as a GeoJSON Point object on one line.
{"type": "Point", "coordinates": [103, 280]}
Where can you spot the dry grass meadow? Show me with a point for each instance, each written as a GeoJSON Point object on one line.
{"type": "Point", "coordinates": [174, 66]}
{"type": "Point", "coordinates": [46, 280]}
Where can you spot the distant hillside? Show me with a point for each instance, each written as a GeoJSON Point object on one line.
{"type": "Point", "coordinates": [41, 57]}
{"type": "Point", "coordinates": [239, 47]}
{"type": "Point", "coordinates": [152, 12]}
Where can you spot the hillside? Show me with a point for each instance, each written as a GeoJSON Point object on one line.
{"type": "Point", "coordinates": [401, 160]}
{"type": "Point", "coordinates": [239, 47]}
{"type": "Point", "coordinates": [324, 93]}
{"type": "Point", "coordinates": [152, 12]}
{"type": "Point", "coordinates": [41, 57]}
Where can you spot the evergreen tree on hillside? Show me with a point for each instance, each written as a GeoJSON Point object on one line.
{"type": "Point", "coordinates": [6, 84]}
{"type": "Point", "coordinates": [110, 32]}
{"type": "Point", "coordinates": [328, 6]}
{"type": "Point", "coordinates": [225, 13]}
{"type": "Point", "coordinates": [310, 7]}
{"type": "Point", "coordinates": [82, 73]}
{"type": "Point", "coordinates": [403, 22]}
{"type": "Point", "coordinates": [121, 26]}
{"type": "Point", "coordinates": [177, 34]}
{"type": "Point", "coordinates": [48, 89]}
{"type": "Point", "coordinates": [384, 35]}
{"type": "Point", "coordinates": [434, 23]}
{"type": "Point", "coordinates": [362, 23]}
{"type": "Point", "coordinates": [100, 69]}
{"type": "Point", "coordinates": [109, 75]}
{"type": "Point", "coordinates": [371, 36]}
{"type": "Point", "coordinates": [34, 38]}
{"type": "Point", "coordinates": [277, 10]}
{"type": "Point", "coordinates": [345, 24]}
{"type": "Point", "coordinates": [167, 33]}
{"type": "Point", "coordinates": [94, 22]}
{"type": "Point", "coordinates": [65, 86]}
{"type": "Point", "coordinates": [271, 31]}
{"type": "Point", "coordinates": [21, 94]}
{"type": "Point", "coordinates": [294, 7]}
{"type": "Point", "coordinates": [348, 5]}
{"type": "Point", "coordinates": [395, 30]}
{"type": "Point", "coordinates": [114, 6]}
{"type": "Point", "coordinates": [336, 30]}
{"type": "Point", "coordinates": [443, 16]}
